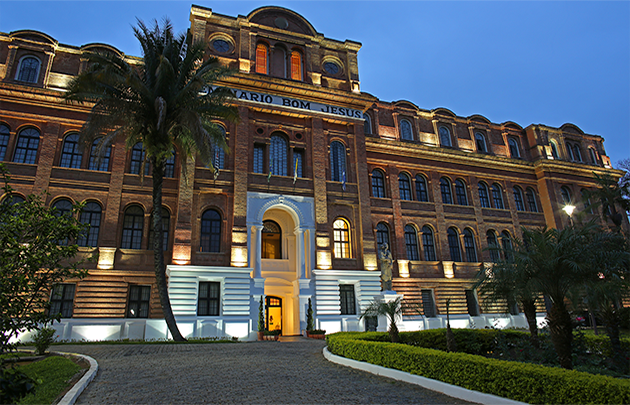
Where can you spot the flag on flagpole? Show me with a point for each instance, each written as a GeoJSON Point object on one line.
{"type": "Point", "coordinates": [343, 180]}
{"type": "Point", "coordinates": [270, 168]}
{"type": "Point", "coordinates": [295, 171]}
{"type": "Point", "coordinates": [216, 163]}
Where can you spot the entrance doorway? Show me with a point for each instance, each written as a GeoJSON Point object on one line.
{"type": "Point", "coordinates": [271, 242]}
{"type": "Point", "coordinates": [273, 306]}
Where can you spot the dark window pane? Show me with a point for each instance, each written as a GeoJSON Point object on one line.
{"type": "Point", "coordinates": [469, 246]}
{"type": "Point", "coordinates": [346, 297]}
{"type": "Point", "coordinates": [484, 199]}
{"type": "Point", "coordinates": [378, 184]}
{"type": "Point", "coordinates": [91, 214]}
{"type": "Point", "coordinates": [428, 244]}
{"type": "Point", "coordinates": [421, 189]}
{"type": "Point", "coordinates": [337, 161]}
{"type": "Point", "coordinates": [411, 243]}
{"type": "Point", "coordinates": [70, 154]}
{"type": "Point", "coordinates": [278, 155]}
{"type": "Point", "coordinates": [460, 192]}
{"type": "Point", "coordinates": [139, 301]}
{"type": "Point", "coordinates": [61, 300]}
{"type": "Point", "coordinates": [428, 303]}
{"type": "Point", "coordinates": [445, 188]}
{"type": "Point", "coordinates": [133, 224]}
{"type": "Point", "coordinates": [101, 164]}
{"type": "Point", "coordinates": [26, 147]}
{"type": "Point", "coordinates": [210, 231]}
{"type": "Point", "coordinates": [208, 302]}
{"type": "Point", "coordinates": [453, 245]}
{"type": "Point", "coordinates": [259, 152]}
{"type": "Point", "coordinates": [404, 186]}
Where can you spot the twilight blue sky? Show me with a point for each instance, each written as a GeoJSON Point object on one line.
{"type": "Point", "coordinates": [531, 62]}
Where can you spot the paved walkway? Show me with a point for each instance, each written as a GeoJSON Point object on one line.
{"type": "Point", "coordinates": [290, 372]}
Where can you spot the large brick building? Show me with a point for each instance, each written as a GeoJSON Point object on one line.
{"type": "Point", "coordinates": [349, 172]}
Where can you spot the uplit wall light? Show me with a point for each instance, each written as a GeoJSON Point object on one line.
{"type": "Point", "coordinates": [239, 256]}
{"type": "Point", "coordinates": [403, 268]}
{"type": "Point", "coordinates": [323, 242]}
{"type": "Point", "coordinates": [370, 261]}
{"type": "Point", "coordinates": [324, 261]}
{"type": "Point", "coordinates": [106, 258]}
{"type": "Point", "coordinates": [449, 269]}
{"type": "Point", "coordinates": [181, 254]}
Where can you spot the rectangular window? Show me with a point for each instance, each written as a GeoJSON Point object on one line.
{"type": "Point", "coordinates": [139, 299]}
{"type": "Point", "coordinates": [428, 303]}
{"type": "Point", "coordinates": [471, 303]}
{"type": "Point", "coordinates": [259, 154]}
{"type": "Point", "coordinates": [346, 296]}
{"type": "Point", "coordinates": [62, 300]}
{"type": "Point", "coordinates": [208, 304]}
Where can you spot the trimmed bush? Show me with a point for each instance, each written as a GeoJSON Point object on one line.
{"type": "Point", "coordinates": [524, 382]}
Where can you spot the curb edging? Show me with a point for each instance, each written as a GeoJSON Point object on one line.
{"type": "Point", "coordinates": [72, 395]}
{"type": "Point", "coordinates": [428, 383]}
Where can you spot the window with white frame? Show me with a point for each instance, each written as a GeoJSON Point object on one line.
{"type": "Point", "coordinates": [209, 297]}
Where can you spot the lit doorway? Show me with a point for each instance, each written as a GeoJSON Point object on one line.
{"type": "Point", "coordinates": [271, 240]}
{"type": "Point", "coordinates": [273, 306]}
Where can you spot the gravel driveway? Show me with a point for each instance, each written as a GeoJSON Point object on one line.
{"type": "Point", "coordinates": [290, 372]}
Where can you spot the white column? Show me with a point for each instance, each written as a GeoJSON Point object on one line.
{"type": "Point", "coordinates": [299, 244]}
{"type": "Point", "coordinates": [257, 251]}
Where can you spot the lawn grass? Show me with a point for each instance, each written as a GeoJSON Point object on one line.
{"type": "Point", "coordinates": [623, 333]}
{"type": "Point", "coordinates": [53, 373]}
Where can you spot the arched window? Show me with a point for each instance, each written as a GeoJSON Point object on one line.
{"type": "Point", "coordinates": [567, 197]}
{"type": "Point", "coordinates": [378, 184]}
{"type": "Point", "coordinates": [271, 240]}
{"type": "Point", "coordinates": [296, 66]}
{"type": "Point", "coordinates": [428, 244]}
{"type": "Point", "coordinates": [586, 201]}
{"type": "Point", "coordinates": [445, 188]}
{"type": "Point", "coordinates": [469, 246]}
{"type": "Point", "coordinates": [210, 231]}
{"type": "Point", "coordinates": [337, 160]}
{"type": "Point", "coordinates": [481, 142]}
{"type": "Point", "coordinates": [166, 221]}
{"type": "Point", "coordinates": [91, 215]}
{"type": "Point", "coordinates": [445, 136]}
{"type": "Point", "coordinates": [497, 196]}
{"type": "Point", "coordinates": [133, 225]}
{"type": "Point", "coordinates": [137, 159]}
{"type": "Point", "coordinates": [261, 59]}
{"type": "Point", "coordinates": [13, 199]}
{"type": "Point", "coordinates": [421, 188]}
{"type": "Point", "coordinates": [514, 150]}
{"type": "Point", "coordinates": [531, 200]}
{"type": "Point", "coordinates": [278, 155]}
{"type": "Point", "coordinates": [63, 207]}
{"type": "Point", "coordinates": [101, 164]}
{"type": "Point", "coordinates": [484, 198]}
{"type": "Point", "coordinates": [506, 244]}
{"type": "Point", "coordinates": [554, 149]}
{"type": "Point", "coordinates": [26, 147]}
{"type": "Point", "coordinates": [28, 71]}
{"type": "Point", "coordinates": [411, 243]}
{"type": "Point", "coordinates": [406, 132]}
{"type": "Point", "coordinates": [569, 150]}
{"type": "Point", "coordinates": [460, 192]}
{"type": "Point", "coordinates": [169, 167]}
{"type": "Point", "coordinates": [518, 198]}
{"type": "Point", "coordinates": [577, 154]}
{"type": "Point", "coordinates": [367, 124]}
{"type": "Point", "coordinates": [218, 154]}
{"type": "Point", "coordinates": [70, 154]}
{"type": "Point", "coordinates": [404, 186]}
{"type": "Point", "coordinates": [591, 153]}
{"type": "Point", "coordinates": [382, 235]}
{"type": "Point", "coordinates": [453, 245]}
{"type": "Point", "coordinates": [341, 239]}
{"type": "Point", "coordinates": [491, 237]}
{"type": "Point", "coordinates": [4, 140]}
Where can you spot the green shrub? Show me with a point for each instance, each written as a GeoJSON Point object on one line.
{"type": "Point", "coordinates": [43, 339]}
{"type": "Point", "coordinates": [519, 381]}
{"type": "Point", "coordinates": [14, 385]}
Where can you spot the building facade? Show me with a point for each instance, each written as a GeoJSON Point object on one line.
{"type": "Point", "coordinates": [318, 176]}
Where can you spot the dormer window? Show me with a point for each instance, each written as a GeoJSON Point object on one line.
{"type": "Point", "coordinates": [296, 66]}
{"type": "Point", "coordinates": [261, 59]}
{"type": "Point", "coordinates": [481, 142]}
{"type": "Point", "coordinates": [445, 137]}
{"type": "Point", "coordinates": [28, 70]}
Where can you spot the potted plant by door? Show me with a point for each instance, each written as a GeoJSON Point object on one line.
{"type": "Point", "coordinates": [311, 332]}
{"type": "Point", "coordinates": [272, 334]}
{"type": "Point", "coordinates": [261, 319]}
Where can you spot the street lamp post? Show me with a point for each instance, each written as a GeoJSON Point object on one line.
{"type": "Point", "coordinates": [569, 210]}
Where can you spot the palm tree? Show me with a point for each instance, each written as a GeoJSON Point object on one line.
{"type": "Point", "coordinates": [166, 102]}
{"type": "Point", "coordinates": [510, 282]}
{"type": "Point", "coordinates": [612, 197]}
{"type": "Point", "coordinates": [392, 310]}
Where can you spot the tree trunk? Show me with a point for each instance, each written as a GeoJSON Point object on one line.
{"type": "Point", "coordinates": [612, 319]}
{"type": "Point", "coordinates": [393, 331]}
{"type": "Point", "coordinates": [529, 309]}
{"type": "Point", "coordinates": [561, 333]}
{"type": "Point", "coordinates": [158, 252]}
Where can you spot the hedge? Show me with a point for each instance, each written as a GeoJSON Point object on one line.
{"type": "Point", "coordinates": [524, 382]}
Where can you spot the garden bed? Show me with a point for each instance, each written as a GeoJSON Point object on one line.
{"type": "Point", "coordinates": [524, 382]}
